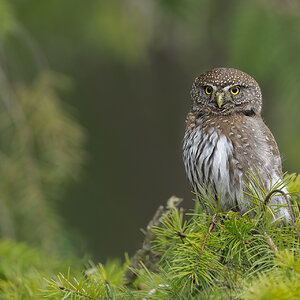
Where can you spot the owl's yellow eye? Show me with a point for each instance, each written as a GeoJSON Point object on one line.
{"type": "Point", "coordinates": [208, 90]}
{"type": "Point", "coordinates": [234, 90]}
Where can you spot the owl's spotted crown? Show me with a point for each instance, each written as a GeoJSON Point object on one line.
{"type": "Point", "coordinates": [226, 76]}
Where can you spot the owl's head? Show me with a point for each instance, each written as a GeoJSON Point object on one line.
{"type": "Point", "coordinates": [225, 91]}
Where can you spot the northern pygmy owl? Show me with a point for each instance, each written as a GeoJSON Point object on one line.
{"type": "Point", "coordinates": [226, 137]}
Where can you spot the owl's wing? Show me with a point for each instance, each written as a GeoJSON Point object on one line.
{"type": "Point", "coordinates": [276, 173]}
{"type": "Point", "coordinates": [274, 152]}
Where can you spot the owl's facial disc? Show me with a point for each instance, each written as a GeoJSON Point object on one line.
{"type": "Point", "coordinates": [226, 91]}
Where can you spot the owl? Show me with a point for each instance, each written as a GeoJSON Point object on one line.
{"type": "Point", "coordinates": [226, 139]}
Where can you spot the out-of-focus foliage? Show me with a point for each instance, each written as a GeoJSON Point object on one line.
{"type": "Point", "coordinates": [41, 145]}
{"type": "Point", "coordinates": [56, 137]}
{"type": "Point", "coordinates": [23, 270]}
{"type": "Point", "coordinates": [7, 19]}
{"type": "Point", "coordinates": [282, 283]}
{"type": "Point", "coordinates": [111, 29]}
{"type": "Point", "coordinates": [294, 188]}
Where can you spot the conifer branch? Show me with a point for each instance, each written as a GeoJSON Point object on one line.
{"type": "Point", "coordinates": [267, 199]}
{"type": "Point", "coordinates": [211, 226]}
{"type": "Point", "coordinates": [77, 293]}
{"type": "Point", "coordinates": [181, 235]}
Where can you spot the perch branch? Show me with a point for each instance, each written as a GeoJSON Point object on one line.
{"type": "Point", "coordinates": [76, 293]}
{"type": "Point", "coordinates": [211, 226]}
{"type": "Point", "coordinates": [146, 254]}
{"type": "Point", "coordinates": [267, 199]}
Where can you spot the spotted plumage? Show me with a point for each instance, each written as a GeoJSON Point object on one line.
{"type": "Point", "coordinates": [226, 138]}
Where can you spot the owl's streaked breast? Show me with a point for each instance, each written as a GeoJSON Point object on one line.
{"type": "Point", "coordinates": [217, 156]}
{"type": "Point", "coordinates": [208, 158]}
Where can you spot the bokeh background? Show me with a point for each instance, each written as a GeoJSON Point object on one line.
{"type": "Point", "coordinates": [93, 98]}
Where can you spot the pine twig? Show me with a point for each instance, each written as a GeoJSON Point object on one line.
{"type": "Point", "coordinates": [211, 226]}
{"type": "Point", "coordinates": [77, 293]}
{"type": "Point", "coordinates": [176, 292]}
{"type": "Point", "coordinates": [181, 235]}
{"type": "Point", "coordinates": [267, 199]}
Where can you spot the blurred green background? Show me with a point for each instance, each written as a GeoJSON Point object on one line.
{"type": "Point", "coordinates": [94, 96]}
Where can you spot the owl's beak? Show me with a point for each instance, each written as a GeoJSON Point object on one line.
{"type": "Point", "coordinates": [220, 99]}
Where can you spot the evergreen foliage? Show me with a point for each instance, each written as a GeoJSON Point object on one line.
{"type": "Point", "coordinates": [41, 149]}
{"type": "Point", "coordinates": [42, 146]}
{"type": "Point", "coordinates": [221, 255]}
{"type": "Point", "coordinates": [23, 270]}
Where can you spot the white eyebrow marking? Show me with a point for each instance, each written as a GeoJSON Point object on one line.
{"type": "Point", "coordinates": [214, 87]}
{"type": "Point", "coordinates": [226, 88]}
